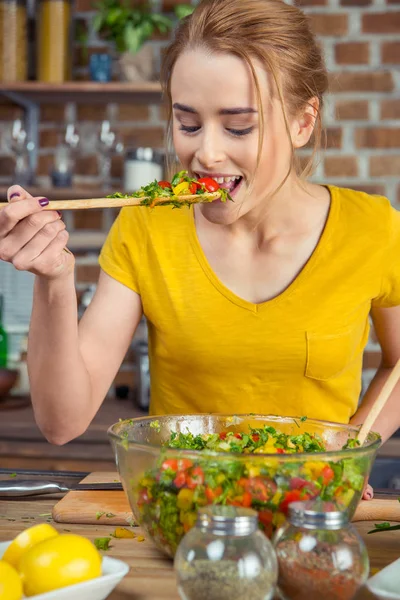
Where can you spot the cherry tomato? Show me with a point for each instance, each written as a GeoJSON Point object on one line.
{"type": "Point", "coordinates": [238, 436]}
{"type": "Point", "coordinates": [165, 184]}
{"type": "Point", "coordinates": [193, 187]}
{"type": "Point", "coordinates": [180, 479]}
{"type": "Point", "coordinates": [195, 478]}
{"type": "Point", "coordinates": [255, 437]}
{"type": "Point", "coordinates": [170, 464]}
{"type": "Point", "coordinates": [222, 435]}
{"type": "Point", "coordinates": [280, 451]}
{"type": "Point", "coordinates": [209, 183]}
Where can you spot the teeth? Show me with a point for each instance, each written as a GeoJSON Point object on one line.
{"type": "Point", "coordinates": [219, 179]}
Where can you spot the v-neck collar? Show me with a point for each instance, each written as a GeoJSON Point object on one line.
{"type": "Point", "coordinates": [262, 306]}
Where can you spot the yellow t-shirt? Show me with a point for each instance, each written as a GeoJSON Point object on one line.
{"type": "Point", "coordinates": [297, 354]}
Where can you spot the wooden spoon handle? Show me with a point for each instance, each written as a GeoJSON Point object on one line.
{"type": "Point", "coordinates": [85, 203]}
{"type": "Point", "coordinates": [380, 402]}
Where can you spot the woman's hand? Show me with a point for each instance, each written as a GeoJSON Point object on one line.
{"type": "Point", "coordinates": [32, 239]}
{"type": "Point", "coordinates": [368, 492]}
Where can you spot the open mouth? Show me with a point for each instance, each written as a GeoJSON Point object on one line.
{"type": "Point", "coordinates": [229, 182]}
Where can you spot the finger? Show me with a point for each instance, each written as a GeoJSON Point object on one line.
{"type": "Point", "coordinates": [23, 259]}
{"type": "Point", "coordinates": [53, 260]}
{"type": "Point", "coordinates": [23, 232]}
{"type": "Point", "coordinates": [368, 493]}
{"type": "Point", "coordinates": [16, 211]}
{"type": "Point", "coordinates": [16, 192]}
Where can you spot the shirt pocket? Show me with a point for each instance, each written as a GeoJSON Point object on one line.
{"type": "Point", "coordinates": [328, 355]}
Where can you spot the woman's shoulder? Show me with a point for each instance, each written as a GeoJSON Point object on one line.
{"type": "Point", "coordinates": [362, 207]}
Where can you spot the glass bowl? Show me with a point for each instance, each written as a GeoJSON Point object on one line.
{"type": "Point", "coordinates": [165, 486]}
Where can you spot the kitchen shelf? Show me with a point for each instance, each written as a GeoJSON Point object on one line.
{"type": "Point", "coordinates": [83, 91]}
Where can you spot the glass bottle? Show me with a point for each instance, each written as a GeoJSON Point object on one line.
{"type": "Point", "coordinates": [54, 37]}
{"type": "Point", "coordinates": [225, 557]}
{"type": "Point", "coordinates": [320, 554]}
{"type": "Point", "coordinates": [13, 41]}
{"type": "Point", "coordinates": [3, 336]}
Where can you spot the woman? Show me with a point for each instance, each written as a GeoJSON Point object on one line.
{"type": "Point", "coordinates": [257, 305]}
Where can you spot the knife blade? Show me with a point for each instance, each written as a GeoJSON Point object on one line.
{"type": "Point", "coordinates": [27, 487]}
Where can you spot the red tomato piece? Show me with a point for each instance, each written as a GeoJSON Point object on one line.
{"type": "Point", "coordinates": [193, 187]}
{"type": "Point", "coordinates": [195, 478]}
{"type": "Point", "coordinates": [222, 435]}
{"type": "Point", "coordinates": [143, 497]}
{"type": "Point", "coordinates": [209, 183]}
{"type": "Point", "coordinates": [246, 502]}
{"type": "Point", "coordinates": [292, 496]}
{"type": "Point", "coordinates": [180, 479]}
{"type": "Point", "coordinates": [184, 464]}
{"type": "Point", "coordinates": [261, 488]}
{"type": "Point", "coordinates": [165, 184]}
{"type": "Point", "coordinates": [255, 437]}
{"type": "Point", "coordinates": [212, 494]}
{"type": "Point", "coordinates": [327, 474]}
{"type": "Point", "coordinates": [171, 463]}
{"type": "Point", "coordinates": [238, 436]}
{"type": "Point", "coordinates": [280, 451]}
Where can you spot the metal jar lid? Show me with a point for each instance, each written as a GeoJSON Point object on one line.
{"type": "Point", "coordinates": [145, 154]}
{"type": "Point", "coordinates": [317, 514]}
{"type": "Point", "coordinates": [227, 520]}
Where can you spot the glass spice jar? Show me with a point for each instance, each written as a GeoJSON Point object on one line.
{"type": "Point", "coordinates": [320, 554]}
{"type": "Point", "coordinates": [226, 557]}
{"type": "Point", "coordinates": [53, 41]}
{"type": "Point", "coordinates": [13, 41]}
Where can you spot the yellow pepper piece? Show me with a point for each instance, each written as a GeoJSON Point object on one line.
{"type": "Point", "coordinates": [122, 532]}
{"type": "Point", "coordinates": [184, 499]}
{"type": "Point", "coordinates": [140, 538]}
{"type": "Point", "coordinates": [181, 189]}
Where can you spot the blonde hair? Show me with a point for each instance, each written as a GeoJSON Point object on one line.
{"type": "Point", "coordinates": [276, 34]}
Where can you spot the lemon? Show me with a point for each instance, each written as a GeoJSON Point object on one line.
{"type": "Point", "coordinates": [57, 562]}
{"type": "Point", "coordinates": [10, 582]}
{"type": "Point", "coordinates": [25, 540]}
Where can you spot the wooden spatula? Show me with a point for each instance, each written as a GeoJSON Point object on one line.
{"type": "Point", "coordinates": [379, 403]}
{"type": "Point", "coordinates": [83, 204]}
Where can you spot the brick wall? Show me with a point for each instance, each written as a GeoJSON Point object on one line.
{"type": "Point", "coordinates": [362, 49]}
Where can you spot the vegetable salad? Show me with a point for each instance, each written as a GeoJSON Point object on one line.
{"type": "Point", "coordinates": [169, 495]}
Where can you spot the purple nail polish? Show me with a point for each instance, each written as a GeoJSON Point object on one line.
{"type": "Point", "coordinates": [43, 202]}
{"type": "Point", "coordinates": [15, 195]}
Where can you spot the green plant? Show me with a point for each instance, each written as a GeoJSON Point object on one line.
{"type": "Point", "coordinates": [128, 27]}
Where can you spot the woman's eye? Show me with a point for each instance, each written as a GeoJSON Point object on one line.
{"type": "Point", "coordinates": [187, 129]}
{"type": "Point", "coordinates": [240, 132]}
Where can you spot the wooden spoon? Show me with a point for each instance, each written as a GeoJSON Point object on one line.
{"type": "Point", "coordinates": [118, 202]}
{"type": "Point", "coordinates": [379, 403]}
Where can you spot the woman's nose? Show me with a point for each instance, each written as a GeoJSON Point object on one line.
{"type": "Point", "coordinates": [210, 150]}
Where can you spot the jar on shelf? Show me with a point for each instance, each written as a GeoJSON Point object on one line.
{"type": "Point", "coordinates": [54, 41]}
{"type": "Point", "coordinates": [13, 41]}
{"type": "Point", "coordinates": [225, 556]}
{"type": "Point", "coordinates": [320, 554]}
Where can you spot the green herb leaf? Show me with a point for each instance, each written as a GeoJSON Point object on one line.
{"type": "Point", "coordinates": [13, 475]}
{"type": "Point", "coordinates": [102, 543]}
{"type": "Point", "coordinates": [99, 515]}
{"type": "Point", "coordinates": [384, 527]}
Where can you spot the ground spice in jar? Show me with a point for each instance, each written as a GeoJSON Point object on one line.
{"type": "Point", "coordinates": [221, 580]}
{"type": "Point", "coordinates": [13, 41]}
{"type": "Point", "coordinates": [312, 577]}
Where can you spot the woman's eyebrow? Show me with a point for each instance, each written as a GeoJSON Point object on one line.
{"type": "Point", "coordinates": [223, 111]}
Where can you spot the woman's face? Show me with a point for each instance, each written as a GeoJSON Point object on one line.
{"type": "Point", "coordinates": [216, 129]}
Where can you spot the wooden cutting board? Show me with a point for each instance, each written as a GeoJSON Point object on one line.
{"type": "Point", "coordinates": [86, 506]}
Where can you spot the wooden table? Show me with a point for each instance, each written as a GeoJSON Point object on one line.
{"type": "Point", "coordinates": [151, 575]}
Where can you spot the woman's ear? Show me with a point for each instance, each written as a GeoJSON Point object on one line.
{"type": "Point", "coordinates": [303, 125]}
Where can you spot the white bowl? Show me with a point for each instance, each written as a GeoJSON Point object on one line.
{"type": "Point", "coordinates": [386, 583]}
{"type": "Point", "coordinates": [113, 571]}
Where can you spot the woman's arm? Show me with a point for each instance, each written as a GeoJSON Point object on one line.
{"type": "Point", "coordinates": [387, 327]}
{"type": "Point", "coordinates": [71, 368]}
